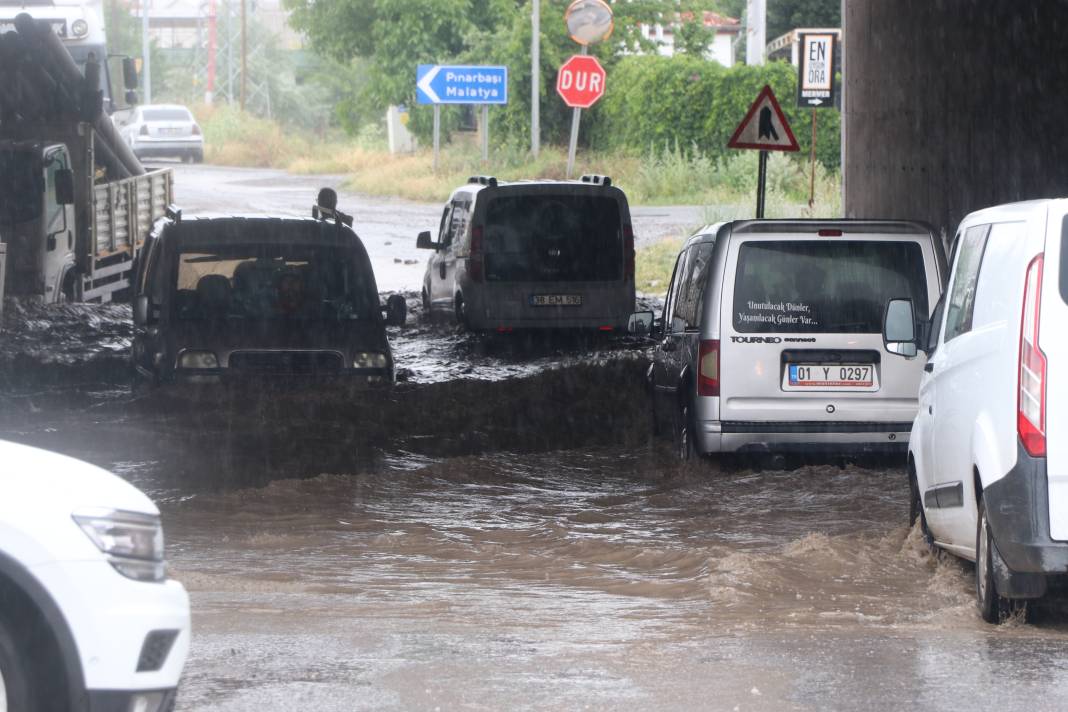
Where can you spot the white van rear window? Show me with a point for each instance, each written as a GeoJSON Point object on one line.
{"type": "Point", "coordinates": [824, 286]}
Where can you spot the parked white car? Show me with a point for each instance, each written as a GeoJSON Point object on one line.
{"type": "Point", "coordinates": [162, 130]}
{"type": "Point", "coordinates": [88, 618]}
{"type": "Point", "coordinates": [986, 465]}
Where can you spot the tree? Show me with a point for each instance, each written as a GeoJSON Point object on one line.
{"type": "Point", "coordinates": [785, 15]}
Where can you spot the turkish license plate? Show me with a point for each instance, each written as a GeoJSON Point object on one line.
{"type": "Point", "coordinates": [830, 377]}
{"type": "Point", "coordinates": [171, 131]}
{"type": "Point", "coordinates": [556, 300]}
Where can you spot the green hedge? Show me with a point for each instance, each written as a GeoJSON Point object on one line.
{"type": "Point", "coordinates": [654, 102]}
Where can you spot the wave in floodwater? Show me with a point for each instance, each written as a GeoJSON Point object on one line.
{"type": "Point", "coordinates": [819, 546]}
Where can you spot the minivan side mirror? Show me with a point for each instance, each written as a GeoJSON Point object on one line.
{"type": "Point", "coordinates": [129, 73]}
{"type": "Point", "coordinates": [64, 186]}
{"type": "Point", "coordinates": [899, 328]}
{"type": "Point", "coordinates": [423, 242]}
{"type": "Point", "coordinates": [140, 310]}
{"type": "Point", "coordinates": [396, 310]}
{"type": "Point", "coordinates": [641, 323]}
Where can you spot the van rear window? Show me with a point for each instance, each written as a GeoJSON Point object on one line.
{"type": "Point", "coordinates": [553, 238]}
{"type": "Point", "coordinates": [824, 286]}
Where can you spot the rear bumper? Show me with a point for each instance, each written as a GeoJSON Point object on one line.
{"type": "Point", "coordinates": [862, 436]}
{"type": "Point", "coordinates": [1017, 507]}
{"type": "Point", "coordinates": [167, 146]}
{"type": "Point", "coordinates": [507, 307]}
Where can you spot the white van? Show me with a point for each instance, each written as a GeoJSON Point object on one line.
{"type": "Point", "coordinates": [770, 338]}
{"type": "Point", "coordinates": [988, 474]}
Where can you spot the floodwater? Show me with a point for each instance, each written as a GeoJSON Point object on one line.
{"type": "Point", "coordinates": [499, 531]}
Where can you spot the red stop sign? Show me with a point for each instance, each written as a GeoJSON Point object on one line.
{"type": "Point", "coordinates": [580, 81]}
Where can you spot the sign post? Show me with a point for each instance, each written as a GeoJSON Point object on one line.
{"type": "Point", "coordinates": [764, 129]}
{"type": "Point", "coordinates": [580, 80]}
{"type": "Point", "coordinates": [439, 84]}
{"type": "Point", "coordinates": [815, 87]}
{"type": "Point", "coordinates": [580, 83]}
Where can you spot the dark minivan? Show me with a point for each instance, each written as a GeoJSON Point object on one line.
{"type": "Point", "coordinates": [271, 297]}
{"type": "Point", "coordinates": [533, 255]}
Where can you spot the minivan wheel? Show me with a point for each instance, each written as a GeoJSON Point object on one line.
{"type": "Point", "coordinates": [684, 445]}
{"type": "Point", "coordinates": [426, 306]}
{"type": "Point", "coordinates": [993, 607]}
{"type": "Point", "coordinates": [916, 510]}
{"type": "Point", "coordinates": [14, 687]}
{"type": "Point", "coordinates": [461, 312]}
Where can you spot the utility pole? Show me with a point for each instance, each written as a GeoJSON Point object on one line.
{"type": "Point", "coordinates": [146, 64]}
{"type": "Point", "coordinates": [244, 51]}
{"type": "Point", "coordinates": [756, 20]}
{"type": "Point", "coordinates": [535, 78]}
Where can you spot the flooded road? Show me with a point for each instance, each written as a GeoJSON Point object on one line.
{"type": "Point", "coordinates": [500, 531]}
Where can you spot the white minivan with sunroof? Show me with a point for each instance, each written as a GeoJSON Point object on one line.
{"type": "Point", "coordinates": [987, 473]}
{"type": "Point", "coordinates": [770, 339]}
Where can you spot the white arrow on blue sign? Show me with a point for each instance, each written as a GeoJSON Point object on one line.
{"type": "Point", "coordinates": [452, 84]}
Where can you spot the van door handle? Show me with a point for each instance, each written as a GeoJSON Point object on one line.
{"type": "Point", "coordinates": [929, 367]}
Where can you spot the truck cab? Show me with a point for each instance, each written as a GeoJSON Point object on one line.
{"type": "Point", "coordinates": [39, 229]}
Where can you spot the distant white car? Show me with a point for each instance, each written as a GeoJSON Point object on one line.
{"type": "Point", "coordinates": [162, 130]}
{"type": "Point", "coordinates": [987, 462]}
{"type": "Point", "coordinates": [88, 618]}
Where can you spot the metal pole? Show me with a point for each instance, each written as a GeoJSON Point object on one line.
{"type": "Point", "coordinates": [146, 62]}
{"type": "Point", "coordinates": [244, 51]}
{"type": "Point", "coordinates": [535, 78]}
{"type": "Point", "coordinates": [762, 175]}
{"type": "Point", "coordinates": [812, 159]}
{"type": "Point", "coordinates": [229, 52]}
{"type": "Point", "coordinates": [485, 133]}
{"type": "Point", "coordinates": [437, 134]}
{"type": "Point", "coordinates": [573, 144]}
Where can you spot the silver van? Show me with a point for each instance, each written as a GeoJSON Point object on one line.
{"type": "Point", "coordinates": [532, 254]}
{"type": "Point", "coordinates": [771, 335]}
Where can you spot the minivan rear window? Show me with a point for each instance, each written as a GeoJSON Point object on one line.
{"type": "Point", "coordinates": [553, 238]}
{"type": "Point", "coordinates": [824, 286]}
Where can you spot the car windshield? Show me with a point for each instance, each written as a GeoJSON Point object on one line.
{"type": "Point", "coordinates": [555, 237]}
{"type": "Point", "coordinates": [166, 115]}
{"type": "Point", "coordinates": [824, 286]}
{"type": "Point", "coordinates": [20, 174]}
{"type": "Point", "coordinates": [272, 282]}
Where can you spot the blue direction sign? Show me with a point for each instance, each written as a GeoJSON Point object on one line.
{"type": "Point", "coordinates": [451, 84]}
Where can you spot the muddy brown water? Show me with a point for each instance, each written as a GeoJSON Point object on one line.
{"type": "Point", "coordinates": [500, 532]}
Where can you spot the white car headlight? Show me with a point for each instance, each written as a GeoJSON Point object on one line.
{"type": "Point", "coordinates": [369, 359]}
{"type": "Point", "coordinates": [198, 359]}
{"type": "Point", "coordinates": [79, 28]}
{"type": "Point", "coordinates": [132, 541]}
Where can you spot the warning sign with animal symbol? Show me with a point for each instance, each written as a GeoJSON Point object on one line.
{"type": "Point", "coordinates": [764, 127]}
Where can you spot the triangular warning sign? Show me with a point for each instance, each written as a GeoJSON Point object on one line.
{"type": "Point", "coordinates": [764, 126]}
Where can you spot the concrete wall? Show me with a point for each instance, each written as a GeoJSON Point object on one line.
{"type": "Point", "coordinates": [953, 105]}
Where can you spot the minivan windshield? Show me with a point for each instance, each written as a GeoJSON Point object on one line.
{"type": "Point", "coordinates": [271, 281]}
{"type": "Point", "coordinates": [553, 238]}
{"type": "Point", "coordinates": [824, 286]}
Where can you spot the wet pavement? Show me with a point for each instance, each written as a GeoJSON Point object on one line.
{"type": "Point", "coordinates": [500, 531]}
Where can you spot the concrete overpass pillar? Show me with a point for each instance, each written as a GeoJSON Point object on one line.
{"type": "Point", "coordinates": [953, 105]}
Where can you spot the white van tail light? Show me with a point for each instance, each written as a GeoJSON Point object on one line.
{"type": "Point", "coordinates": [474, 266]}
{"type": "Point", "coordinates": [1031, 406]}
{"type": "Point", "coordinates": [708, 368]}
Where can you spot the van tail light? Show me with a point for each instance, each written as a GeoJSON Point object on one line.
{"type": "Point", "coordinates": [708, 368]}
{"type": "Point", "coordinates": [474, 264]}
{"type": "Point", "coordinates": [628, 252]}
{"type": "Point", "coordinates": [1031, 403]}
{"type": "Point", "coordinates": [196, 130]}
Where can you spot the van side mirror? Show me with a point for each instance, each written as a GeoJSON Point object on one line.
{"type": "Point", "coordinates": [899, 328]}
{"type": "Point", "coordinates": [396, 310]}
{"type": "Point", "coordinates": [423, 242]}
{"type": "Point", "coordinates": [64, 186]}
{"type": "Point", "coordinates": [129, 75]}
{"type": "Point", "coordinates": [140, 310]}
{"type": "Point", "coordinates": [641, 323]}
